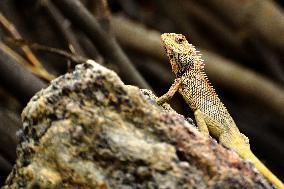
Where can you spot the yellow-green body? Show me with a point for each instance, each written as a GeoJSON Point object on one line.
{"type": "Point", "coordinates": [211, 115]}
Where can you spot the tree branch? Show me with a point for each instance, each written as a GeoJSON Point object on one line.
{"type": "Point", "coordinates": [17, 80]}
{"type": "Point", "coordinates": [106, 43]}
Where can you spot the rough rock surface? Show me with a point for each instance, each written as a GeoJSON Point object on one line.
{"type": "Point", "coordinates": [89, 130]}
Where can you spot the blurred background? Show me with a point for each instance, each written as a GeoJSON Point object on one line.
{"type": "Point", "coordinates": [241, 41]}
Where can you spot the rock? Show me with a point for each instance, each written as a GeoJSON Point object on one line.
{"type": "Point", "coordinates": [89, 130]}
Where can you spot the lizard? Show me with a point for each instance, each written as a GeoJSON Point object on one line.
{"type": "Point", "coordinates": [211, 116]}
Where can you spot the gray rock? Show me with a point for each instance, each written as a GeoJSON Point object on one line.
{"type": "Point", "coordinates": [89, 130]}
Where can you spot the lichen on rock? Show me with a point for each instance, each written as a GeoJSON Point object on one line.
{"type": "Point", "coordinates": [90, 130]}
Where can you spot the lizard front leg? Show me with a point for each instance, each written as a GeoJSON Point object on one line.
{"type": "Point", "coordinates": [197, 113]}
{"type": "Point", "coordinates": [173, 89]}
{"type": "Point", "coordinates": [201, 124]}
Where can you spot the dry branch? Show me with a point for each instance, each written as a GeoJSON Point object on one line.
{"type": "Point", "coordinates": [244, 81]}
{"type": "Point", "coordinates": [224, 35]}
{"type": "Point", "coordinates": [106, 43]}
{"type": "Point", "coordinates": [221, 71]}
{"type": "Point", "coordinates": [64, 26]}
{"type": "Point", "coordinates": [176, 12]}
{"type": "Point", "coordinates": [73, 57]}
{"type": "Point", "coordinates": [254, 17]}
{"type": "Point", "coordinates": [17, 80]}
{"type": "Point", "coordinates": [36, 64]}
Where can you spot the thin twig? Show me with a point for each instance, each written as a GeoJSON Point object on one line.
{"type": "Point", "coordinates": [29, 54]}
{"type": "Point", "coordinates": [73, 57]}
{"type": "Point", "coordinates": [16, 79]}
{"type": "Point", "coordinates": [18, 58]}
{"type": "Point", "coordinates": [13, 31]}
{"type": "Point", "coordinates": [102, 13]}
{"type": "Point", "coordinates": [90, 49]}
{"type": "Point", "coordinates": [106, 43]}
{"type": "Point", "coordinates": [64, 26]}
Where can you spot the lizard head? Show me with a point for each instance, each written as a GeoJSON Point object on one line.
{"type": "Point", "coordinates": [182, 55]}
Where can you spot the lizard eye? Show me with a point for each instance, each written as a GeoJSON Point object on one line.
{"type": "Point", "coordinates": [179, 40]}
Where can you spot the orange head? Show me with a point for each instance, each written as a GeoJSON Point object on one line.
{"type": "Point", "coordinates": [182, 55]}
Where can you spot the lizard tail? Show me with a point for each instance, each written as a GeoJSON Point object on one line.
{"type": "Point", "coordinates": [264, 170]}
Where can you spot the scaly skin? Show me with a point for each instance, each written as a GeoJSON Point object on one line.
{"type": "Point", "coordinates": [210, 113]}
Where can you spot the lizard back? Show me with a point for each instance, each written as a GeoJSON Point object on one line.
{"type": "Point", "coordinates": [199, 94]}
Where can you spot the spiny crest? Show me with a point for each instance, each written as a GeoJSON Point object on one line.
{"type": "Point", "coordinates": [209, 85]}
{"type": "Point", "coordinates": [212, 90]}
{"type": "Point", "coordinates": [182, 54]}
